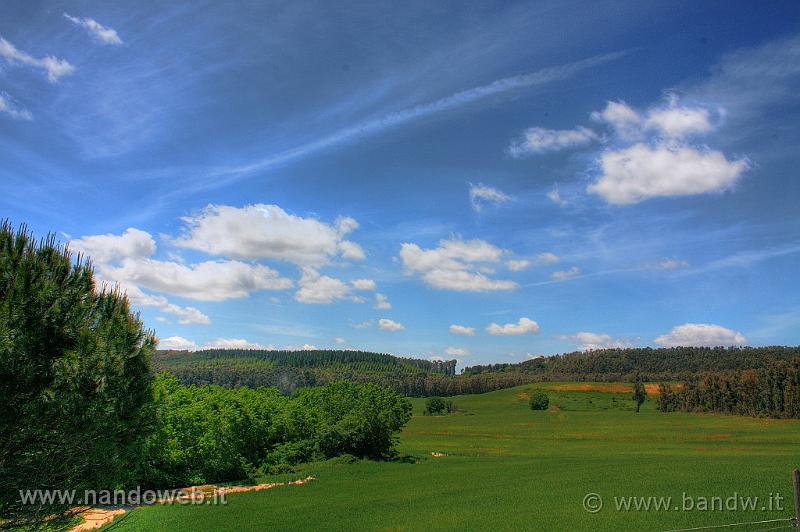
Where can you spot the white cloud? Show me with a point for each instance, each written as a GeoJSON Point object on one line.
{"type": "Point", "coordinates": [389, 325]}
{"type": "Point", "coordinates": [352, 251]}
{"type": "Point", "coordinates": [667, 264]}
{"type": "Point", "coordinates": [678, 122]}
{"type": "Point", "coordinates": [177, 343]}
{"type": "Point", "coordinates": [364, 324]}
{"type": "Point", "coordinates": [339, 340]}
{"type": "Point", "coordinates": [185, 315]}
{"type": "Point", "coordinates": [555, 196]}
{"type": "Point", "coordinates": [455, 265]}
{"type": "Point", "coordinates": [456, 351]}
{"type": "Point", "coordinates": [565, 274]}
{"type": "Point", "coordinates": [363, 284]}
{"type": "Point", "coordinates": [625, 121]}
{"type": "Point", "coordinates": [9, 107]}
{"type": "Point", "coordinates": [108, 248]}
{"type": "Point", "coordinates": [320, 289]}
{"type": "Point", "coordinates": [480, 195]}
{"type": "Point", "coordinates": [268, 232]}
{"type": "Point", "coordinates": [541, 140]}
{"type": "Point", "coordinates": [523, 326]}
{"type": "Point", "coordinates": [518, 265]}
{"type": "Point", "coordinates": [461, 329]}
{"type": "Point", "coordinates": [701, 335]}
{"type": "Point", "coordinates": [205, 281]}
{"type": "Point", "coordinates": [382, 302]}
{"type": "Point", "coordinates": [641, 172]}
{"type": "Point", "coordinates": [589, 341]}
{"type": "Point", "coordinates": [546, 258]}
{"type": "Point", "coordinates": [99, 33]}
{"type": "Point", "coordinates": [54, 68]}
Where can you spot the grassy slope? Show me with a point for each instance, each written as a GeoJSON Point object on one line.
{"type": "Point", "coordinates": [511, 468]}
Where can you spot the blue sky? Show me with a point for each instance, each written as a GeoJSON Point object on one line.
{"type": "Point", "coordinates": [485, 182]}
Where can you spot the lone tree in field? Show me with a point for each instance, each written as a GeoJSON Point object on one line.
{"type": "Point", "coordinates": [539, 401]}
{"type": "Point", "coordinates": [436, 406]}
{"type": "Point", "coordinates": [75, 379]}
{"type": "Point", "coordinates": [639, 393]}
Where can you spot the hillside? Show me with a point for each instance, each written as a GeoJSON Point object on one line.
{"type": "Point", "coordinates": [289, 370]}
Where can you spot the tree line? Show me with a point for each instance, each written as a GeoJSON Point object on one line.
{"type": "Point", "coordinates": [769, 391]}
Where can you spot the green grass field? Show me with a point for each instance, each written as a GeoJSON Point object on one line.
{"type": "Point", "coordinates": [507, 467]}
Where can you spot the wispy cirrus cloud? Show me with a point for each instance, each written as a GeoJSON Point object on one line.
{"type": "Point", "coordinates": [392, 120]}
{"type": "Point", "coordinates": [9, 107]}
{"type": "Point", "coordinates": [54, 67]}
{"type": "Point", "coordinates": [98, 32]}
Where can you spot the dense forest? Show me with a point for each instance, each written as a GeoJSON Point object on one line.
{"type": "Point", "coordinates": [289, 370]}
{"type": "Point", "coordinates": [769, 391]}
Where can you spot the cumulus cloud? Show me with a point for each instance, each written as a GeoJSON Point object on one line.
{"type": "Point", "coordinates": [540, 140]}
{"type": "Point", "coordinates": [97, 31]}
{"type": "Point", "coordinates": [701, 335]}
{"type": "Point", "coordinates": [107, 248]}
{"type": "Point", "coordinates": [461, 329]}
{"type": "Point", "coordinates": [364, 324]}
{"type": "Point", "coordinates": [517, 265]}
{"type": "Point", "coordinates": [389, 325]}
{"type": "Point", "coordinates": [565, 274]}
{"type": "Point", "coordinates": [10, 108]}
{"type": "Point", "coordinates": [589, 341]}
{"type": "Point", "coordinates": [268, 232]}
{"type": "Point", "coordinates": [456, 351]}
{"type": "Point", "coordinates": [480, 195]}
{"type": "Point", "coordinates": [205, 281]}
{"type": "Point", "coordinates": [546, 258]}
{"type": "Point", "coordinates": [641, 172]}
{"type": "Point", "coordinates": [382, 302]}
{"type": "Point", "coordinates": [320, 289]}
{"type": "Point", "coordinates": [455, 265]}
{"type": "Point", "coordinates": [363, 284]}
{"type": "Point", "coordinates": [177, 343]}
{"type": "Point", "coordinates": [670, 121]}
{"type": "Point", "coordinates": [523, 326]}
{"type": "Point", "coordinates": [54, 68]}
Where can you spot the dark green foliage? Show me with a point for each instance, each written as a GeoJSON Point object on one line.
{"type": "Point", "coordinates": [771, 391]}
{"type": "Point", "coordinates": [75, 380]}
{"type": "Point", "coordinates": [539, 401]}
{"type": "Point", "coordinates": [639, 393]}
{"type": "Point", "coordinates": [289, 370]}
{"type": "Point", "coordinates": [436, 406]}
{"type": "Point", "coordinates": [211, 434]}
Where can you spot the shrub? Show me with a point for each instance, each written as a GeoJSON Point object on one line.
{"type": "Point", "coordinates": [539, 401]}
{"type": "Point", "coordinates": [436, 406]}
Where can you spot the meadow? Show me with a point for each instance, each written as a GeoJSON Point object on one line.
{"type": "Point", "coordinates": [507, 467]}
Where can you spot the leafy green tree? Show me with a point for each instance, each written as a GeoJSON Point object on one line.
{"type": "Point", "coordinates": [75, 379]}
{"type": "Point", "coordinates": [436, 406]}
{"type": "Point", "coordinates": [639, 393]}
{"type": "Point", "coordinates": [539, 401]}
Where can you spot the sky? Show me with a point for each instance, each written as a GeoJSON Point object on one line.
{"type": "Point", "coordinates": [485, 181]}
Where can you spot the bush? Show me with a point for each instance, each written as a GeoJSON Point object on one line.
{"type": "Point", "coordinates": [211, 434]}
{"type": "Point", "coordinates": [539, 401]}
{"type": "Point", "coordinates": [436, 406]}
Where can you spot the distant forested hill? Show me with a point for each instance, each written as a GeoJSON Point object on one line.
{"type": "Point", "coordinates": [289, 370]}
